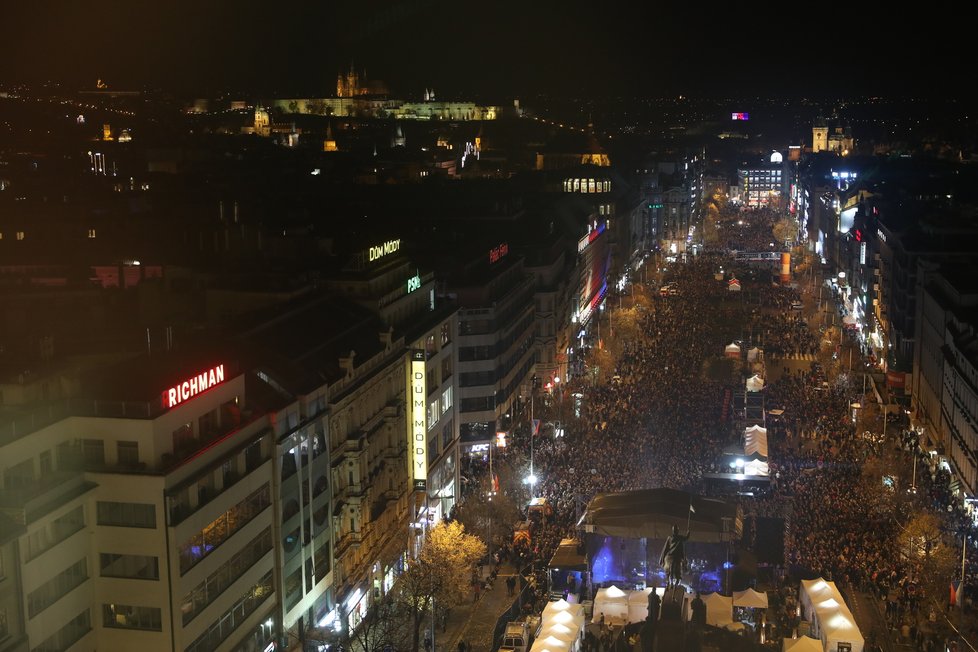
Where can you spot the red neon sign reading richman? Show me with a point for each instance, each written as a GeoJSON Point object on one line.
{"type": "Point", "coordinates": [194, 385]}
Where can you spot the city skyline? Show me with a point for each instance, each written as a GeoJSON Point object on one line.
{"type": "Point", "coordinates": [510, 49]}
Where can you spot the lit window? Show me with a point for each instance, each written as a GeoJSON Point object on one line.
{"type": "Point", "coordinates": [91, 234]}
{"type": "Point", "coordinates": [20, 235]}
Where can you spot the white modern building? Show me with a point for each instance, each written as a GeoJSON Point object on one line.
{"type": "Point", "coordinates": [147, 516]}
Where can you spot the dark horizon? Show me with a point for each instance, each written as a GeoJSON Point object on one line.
{"type": "Point", "coordinates": [509, 50]}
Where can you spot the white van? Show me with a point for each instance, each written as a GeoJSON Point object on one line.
{"type": "Point", "coordinates": [516, 638]}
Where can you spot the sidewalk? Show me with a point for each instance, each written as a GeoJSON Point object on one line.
{"type": "Point", "coordinates": [475, 621]}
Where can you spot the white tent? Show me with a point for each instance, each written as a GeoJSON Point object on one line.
{"type": "Point", "coordinates": [750, 598]}
{"type": "Point", "coordinates": [538, 646]}
{"type": "Point", "coordinates": [752, 354]}
{"type": "Point", "coordinates": [832, 622]}
{"type": "Point", "coordinates": [733, 285]}
{"type": "Point", "coordinates": [566, 618]}
{"type": "Point", "coordinates": [613, 603]}
{"type": "Point", "coordinates": [571, 631]}
{"type": "Point", "coordinates": [801, 644]}
{"type": "Point", "coordinates": [756, 467]}
{"type": "Point", "coordinates": [719, 609]}
{"type": "Point", "coordinates": [755, 383]}
{"type": "Point", "coordinates": [755, 441]}
{"type": "Point", "coordinates": [553, 642]}
{"type": "Point", "coordinates": [638, 603]}
{"type": "Point", "coordinates": [731, 351]}
{"type": "Point", "coordinates": [563, 605]}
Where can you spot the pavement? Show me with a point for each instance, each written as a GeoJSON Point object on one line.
{"type": "Point", "coordinates": [474, 621]}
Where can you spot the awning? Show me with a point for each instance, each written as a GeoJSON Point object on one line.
{"type": "Point", "coordinates": [652, 513]}
{"type": "Point", "coordinates": [567, 557]}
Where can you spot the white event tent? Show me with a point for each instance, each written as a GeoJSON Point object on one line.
{"type": "Point", "coordinates": [613, 603]}
{"type": "Point", "coordinates": [558, 606]}
{"type": "Point", "coordinates": [638, 603]}
{"type": "Point", "coordinates": [755, 441]}
{"type": "Point", "coordinates": [719, 609]}
{"type": "Point", "coordinates": [801, 644]}
{"type": "Point", "coordinates": [750, 598]}
{"type": "Point", "coordinates": [832, 622]}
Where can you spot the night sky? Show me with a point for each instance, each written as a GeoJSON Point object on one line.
{"type": "Point", "coordinates": [505, 48]}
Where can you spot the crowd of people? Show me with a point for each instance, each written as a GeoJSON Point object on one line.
{"type": "Point", "coordinates": [658, 424]}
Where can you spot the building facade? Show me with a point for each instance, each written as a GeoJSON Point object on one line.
{"type": "Point", "coordinates": [945, 371]}
{"type": "Point", "coordinates": [148, 524]}
{"type": "Point", "coordinates": [763, 183]}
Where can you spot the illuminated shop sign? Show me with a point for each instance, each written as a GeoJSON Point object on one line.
{"type": "Point", "coordinates": [498, 252]}
{"type": "Point", "coordinates": [414, 283]}
{"type": "Point", "coordinates": [389, 247]}
{"type": "Point", "coordinates": [193, 386]}
{"type": "Point", "coordinates": [880, 234]}
{"type": "Point", "coordinates": [740, 115]}
{"type": "Point", "coordinates": [418, 459]}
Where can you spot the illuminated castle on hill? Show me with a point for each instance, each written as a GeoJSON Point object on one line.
{"type": "Point", "coordinates": [357, 96]}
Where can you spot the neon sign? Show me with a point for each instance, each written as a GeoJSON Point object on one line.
{"type": "Point", "coordinates": [418, 459]}
{"type": "Point", "coordinates": [590, 237]}
{"type": "Point", "coordinates": [389, 247]}
{"type": "Point", "coordinates": [193, 386]}
{"type": "Point", "coordinates": [740, 115]}
{"type": "Point", "coordinates": [413, 283]}
{"type": "Point", "coordinates": [498, 252]}
{"type": "Point", "coordinates": [588, 310]}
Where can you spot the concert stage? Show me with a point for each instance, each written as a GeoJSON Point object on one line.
{"type": "Point", "coordinates": [624, 534]}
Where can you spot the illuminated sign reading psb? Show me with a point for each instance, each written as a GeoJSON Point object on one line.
{"type": "Point", "coordinates": [414, 283]}
{"type": "Point", "coordinates": [417, 393]}
{"type": "Point", "coordinates": [389, 247]}
{"type": "Point", "coordinates": [193, 386]}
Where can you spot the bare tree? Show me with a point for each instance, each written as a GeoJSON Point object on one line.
{"type": "Point", "coordinates": [383, 625]}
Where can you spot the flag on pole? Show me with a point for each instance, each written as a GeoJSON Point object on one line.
{"type": "Point", "coordinates": [495, 482]}
{"type": "Point", "coordinates": [956, 597]}
{"type": "Point", "coordinates": [692, 509]}
{"type": "Point", "coordinates": [536, 426]}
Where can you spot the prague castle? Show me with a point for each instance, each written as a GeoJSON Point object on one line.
{"type": "Point", "coordinates": [356, 96]}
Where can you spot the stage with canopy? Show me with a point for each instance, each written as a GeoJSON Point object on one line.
{"type": "Point", "coordinates": [625, 533]}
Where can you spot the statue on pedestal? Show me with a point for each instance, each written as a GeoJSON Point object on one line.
{"type": "Point", "coordinates": [673, 557]}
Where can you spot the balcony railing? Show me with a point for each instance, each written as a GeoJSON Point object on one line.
{"type": "Point", "coordinates": [31, 500]}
